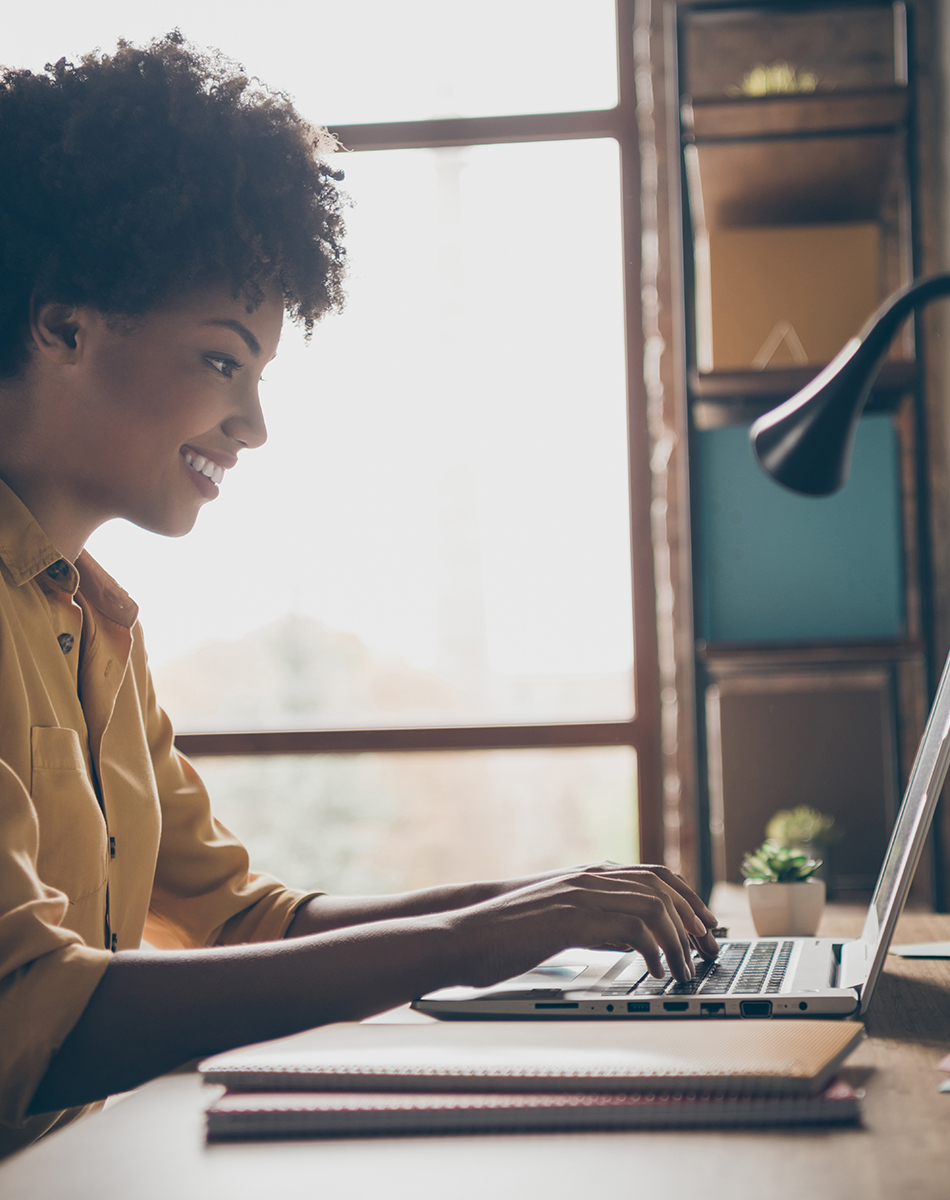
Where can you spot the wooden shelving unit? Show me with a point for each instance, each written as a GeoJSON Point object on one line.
{"type": "Point", "coordinates": [819, 682]}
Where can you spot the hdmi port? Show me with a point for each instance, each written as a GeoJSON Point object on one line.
{"type": "Point", "coordinates": [676, 1005]}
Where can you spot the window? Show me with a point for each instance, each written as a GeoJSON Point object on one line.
{"type": "Point", "coordinates": [432, 555]}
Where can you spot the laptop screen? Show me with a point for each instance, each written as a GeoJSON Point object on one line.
{"type": "Point", "coordinates": [910, 832]}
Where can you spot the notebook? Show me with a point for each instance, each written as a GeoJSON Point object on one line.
{"type": "Point", "coordinates": [665, 1057]}
{"type": "Point", "coordinates": [309, 1114]}
{"type": "Point", "coordinates": [753, 977]}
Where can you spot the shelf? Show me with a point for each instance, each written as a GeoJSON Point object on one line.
{"type": "Point", "coordinates": [769, 117]}
{"type": "Point", "coordinates": [810, 180]}
{"type": "Point", "coordinates": [723, 658]}
{"type": "Point", "coordinates": [720, 398]}
{"type": "Point", "coordinates": [778, 383]}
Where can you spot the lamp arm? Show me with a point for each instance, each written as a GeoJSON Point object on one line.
{"type": "Point", "coordinates": [878, 332]}
{"type": "Point", "coordinates": [805, 443]}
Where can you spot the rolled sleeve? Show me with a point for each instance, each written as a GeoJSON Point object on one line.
{"type": "Point", "coordinates": [47, 974]}
{"type": "Point", "coordinates": [204, 892]}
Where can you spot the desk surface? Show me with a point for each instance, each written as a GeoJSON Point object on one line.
{"type": "Point", "coordinates": [151, 1146]}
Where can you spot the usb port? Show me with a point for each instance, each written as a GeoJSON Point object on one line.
{"type": "Point", "coordinates": [640, 1006]}
{"type": "Point", "coordinates": [712, 1010]}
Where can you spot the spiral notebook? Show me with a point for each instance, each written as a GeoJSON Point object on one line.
{"type": "Point", "coordinates": [238, 1115]}
{"type": "Point", "coordinates": [376, 1078]}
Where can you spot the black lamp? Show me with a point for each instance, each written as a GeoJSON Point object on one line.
{"type": "Point", "coordinates": [805, 443]}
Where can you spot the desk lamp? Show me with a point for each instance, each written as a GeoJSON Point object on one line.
{"type": "Point", "coordinates": [805, 444]}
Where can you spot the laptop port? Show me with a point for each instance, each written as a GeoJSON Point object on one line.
{"type": "Point", "coordinates": [755, 1008]}
{"type": "Point", "coordinates": [640, 1006]}
{"type": "Point", "coordinates": [712, 1010]}
{"type": "Point", "coordinates": [676, 1005]}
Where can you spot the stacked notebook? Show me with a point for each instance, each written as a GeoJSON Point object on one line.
{"type": "Point", "coordinates": [359, 1079]}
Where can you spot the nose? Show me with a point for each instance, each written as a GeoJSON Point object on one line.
{"type": "Point", "coordinates": [247, 425]}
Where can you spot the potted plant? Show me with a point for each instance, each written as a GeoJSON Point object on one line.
{"type": "Point", "coordinates": [807, 829]}
{"type": "Point", "coordinates": [785, 898]}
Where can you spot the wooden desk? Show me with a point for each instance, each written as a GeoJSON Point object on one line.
{"type": "Point", "coordinates": [151, 1146]}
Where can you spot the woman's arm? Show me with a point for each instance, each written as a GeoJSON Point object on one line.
{"type": "Point", "coordinates": [152, 1012]}
{"type": "Point", "coordinates": [326, 912]}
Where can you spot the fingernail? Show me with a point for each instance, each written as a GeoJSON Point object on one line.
{"type": "Point", "coordinates": [698, 926]}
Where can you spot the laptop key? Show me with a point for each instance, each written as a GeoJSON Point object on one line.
{"type": "Point", "coordinates": [756, 969]}
{"type": "Point", "coordinates": [781, 966]}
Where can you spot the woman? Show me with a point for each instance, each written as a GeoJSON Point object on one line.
{"type": "Point", "coordinates": [158, 217]}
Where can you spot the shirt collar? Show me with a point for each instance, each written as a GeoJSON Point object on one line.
{"type": "Point", "coordinates": [102, 591]}
{"type": "Point", "coordinates": [26, 551]}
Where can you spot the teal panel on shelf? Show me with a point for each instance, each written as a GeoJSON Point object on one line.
{"type": "Point", "coordinates": [775, 566]}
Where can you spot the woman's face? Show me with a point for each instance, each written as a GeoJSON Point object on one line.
{"type": "Point", "coordinates": [153, 418]}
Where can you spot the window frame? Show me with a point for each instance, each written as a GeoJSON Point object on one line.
{"type": "Point", "coordinates": [642, 731]}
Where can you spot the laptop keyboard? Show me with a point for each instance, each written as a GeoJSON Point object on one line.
{"type": "Point", "coordinates": [742, 968]}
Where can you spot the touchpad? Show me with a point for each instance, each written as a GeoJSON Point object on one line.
{"type": "Point", "coordinates": [557, 976]}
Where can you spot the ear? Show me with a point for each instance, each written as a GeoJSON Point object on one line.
{"type": "Point", "coordinates": [57, 331]}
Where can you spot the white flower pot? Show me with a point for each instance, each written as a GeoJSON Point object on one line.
{"type": "Point", "coordinates": [786, 909]}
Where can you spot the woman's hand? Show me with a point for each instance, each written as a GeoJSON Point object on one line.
{"type": "Point", "coordinates": [644, 908]}
{"type": "Point", "coordinates": [650, 903]}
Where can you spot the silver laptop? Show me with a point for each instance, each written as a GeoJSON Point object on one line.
{"type": "Point", "coordinates": [755, 977]}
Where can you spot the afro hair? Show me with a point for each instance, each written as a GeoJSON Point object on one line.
{"type": "Point", "coordinates": [132, 178]}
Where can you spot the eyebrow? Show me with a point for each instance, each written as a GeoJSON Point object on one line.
{"type": "Point", "coordinates": [242, 330]}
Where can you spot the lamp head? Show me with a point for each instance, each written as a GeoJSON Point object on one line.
{"type": "Point", "coordinates": [805, 444]}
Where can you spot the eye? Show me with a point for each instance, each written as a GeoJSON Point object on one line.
{"type": "Point", "coordinates": [223, 364]}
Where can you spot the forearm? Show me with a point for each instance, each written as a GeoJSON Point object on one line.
{"type": "Point", "coordinates": [152, 1012]}
{"type": "Point", "coordinates": [324, 913]}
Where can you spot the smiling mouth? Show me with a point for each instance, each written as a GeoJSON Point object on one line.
{"type": "Point", "coordinates": [204, 466]}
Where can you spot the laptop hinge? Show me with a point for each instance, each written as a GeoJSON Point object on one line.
{"type": "Point", "coordinates": [853, 972]}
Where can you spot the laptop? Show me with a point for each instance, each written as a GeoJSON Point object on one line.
{"type": "Point", "coordinates": [752, 977]}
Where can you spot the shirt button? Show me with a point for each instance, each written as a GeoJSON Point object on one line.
{"type": "Point", "coordinates": [66, 642]}
{"type": "Point", "coordinates": [59, 569]}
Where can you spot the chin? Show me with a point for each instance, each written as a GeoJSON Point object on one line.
{"type": "Point", "coordinates": [170, 527]}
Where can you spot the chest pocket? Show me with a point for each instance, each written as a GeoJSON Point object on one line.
{"type": "Point", "coordinates": [73, 847]}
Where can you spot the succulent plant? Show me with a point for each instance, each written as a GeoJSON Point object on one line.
{"type": "Point", "coordinates": [773, 863]}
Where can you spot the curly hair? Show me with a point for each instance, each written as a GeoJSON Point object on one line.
{"type": "Point", "coordinates": [131, 178]}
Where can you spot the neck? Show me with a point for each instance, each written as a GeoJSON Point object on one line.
{"type": "Point", "coordinates": [27, 467]}
{"type": "Point", "coordinates": [62, 524]}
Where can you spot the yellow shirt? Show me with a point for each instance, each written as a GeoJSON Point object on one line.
{"type": "Point", "coordinates": [106, 832]}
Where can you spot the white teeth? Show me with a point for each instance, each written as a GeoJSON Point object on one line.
{"type": "Point", "coordinates": [204, 466]}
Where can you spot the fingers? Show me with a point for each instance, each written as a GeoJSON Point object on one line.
{"type": "Point", "coordinates": [648, 923]}
{"type": "Point", "coordinates": [679, 885]}
{"type": "Point", "coordinates": [688, 918]}
{"type": "Point", "coordinates": [668, 939]}
{"type": "Point", "coordinates": [707, 946]}
{"type": "Point", "coordinates": [696, 917]}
